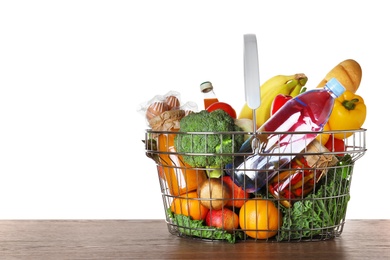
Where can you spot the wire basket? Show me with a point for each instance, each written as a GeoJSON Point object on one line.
{"type": "Point", "coordinates": [303, 199]}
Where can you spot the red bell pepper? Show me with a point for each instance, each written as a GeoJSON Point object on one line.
{"type": "Point", "coordinates": [335, 145]}
{"type": "Point", "coordinates": [293, 183]}
{"type": "Point", "coordinates": [278, 102]}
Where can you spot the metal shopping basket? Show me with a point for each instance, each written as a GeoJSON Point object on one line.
{"type": "Point", "coordinates": [296, 196]}
{"type": "Point", "coordinates": [306, 199]}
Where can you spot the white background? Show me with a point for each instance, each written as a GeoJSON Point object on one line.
{"type": "Point", "coordinates": [72, 74]}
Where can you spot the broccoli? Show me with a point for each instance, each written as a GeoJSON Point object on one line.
{"type": "Point", "coordinates": [203, 147]}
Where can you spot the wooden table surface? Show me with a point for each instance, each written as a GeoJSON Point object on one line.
{"type": "Point", "coordinates": [150, 239]}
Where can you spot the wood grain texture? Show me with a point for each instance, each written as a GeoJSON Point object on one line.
{"type": "Point", "coordinates": [150, 239]}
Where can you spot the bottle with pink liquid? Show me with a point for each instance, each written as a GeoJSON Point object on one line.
{"type": "Point", "coordinates": [295, 125]}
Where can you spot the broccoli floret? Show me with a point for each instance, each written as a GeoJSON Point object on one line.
{"type": "Point", "coordinates": [203, 147]}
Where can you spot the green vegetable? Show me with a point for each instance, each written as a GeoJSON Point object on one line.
{"type": "Point", "coordinates": [205, 146]}
{"type": "Point", "coordinates": [189, 227]}
{"type": "Point", "coordinates": [321, 212]}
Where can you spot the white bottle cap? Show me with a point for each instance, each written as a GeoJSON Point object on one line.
{"type": "Point", "coordinates": [335, 86]}
{"type": "Point", "coordinates": [206, 87]}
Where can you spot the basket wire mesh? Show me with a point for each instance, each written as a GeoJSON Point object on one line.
{"type": "Point", "coordinates": [305, 203]}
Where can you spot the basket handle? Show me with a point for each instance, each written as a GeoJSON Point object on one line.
{"type": "Point", "coordinates": [251, 74]}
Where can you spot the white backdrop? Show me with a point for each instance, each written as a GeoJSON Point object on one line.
{"type": "Point", "coordinates": [72, 74]}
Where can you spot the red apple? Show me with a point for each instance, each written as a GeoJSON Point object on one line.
{"type": "Point", "coordinates": [222, 218]}
{"type": "Point", "coordinates": [239, 195]}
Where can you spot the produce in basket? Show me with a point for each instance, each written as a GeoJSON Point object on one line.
{"type": "Point", "coordinates": [321, 213]}
{"type": "Point", "coordinates": [278, 102]}
{"type": "Point", "coordinates": [224, 106]}
{"type": "Point", "coordinates": [336, 145]}
{"type": "Point", "coordinates": [238, 195]}
{"type": "Point", "coordinates": [216, 208]}
{"type": "Point", "coordinates": [279, 84]}
{"type": "Point", "coordinates": [202, 150]}
{"type": "Point", "coordinates": [214, 193]}
{"type": "Point", "coordinates": [349, 113]}
{"type": "Point", "coordinates": [222, 218]}
{"type": "Point", "coordinates": [189, 205]}
{"type": "Point", "coordinates": [260, 218]}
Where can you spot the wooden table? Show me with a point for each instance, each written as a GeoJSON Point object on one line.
{"type": "Point", "coordinates": [150, 239]}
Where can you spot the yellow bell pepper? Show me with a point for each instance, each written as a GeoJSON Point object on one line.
{"type": "Point", "coordinates": [349, 113]}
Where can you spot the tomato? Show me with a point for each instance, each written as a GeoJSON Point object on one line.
{"type": "Point", "coordinates": [335, 145]}
{"type": "Point", "coordinates": [224, 106]}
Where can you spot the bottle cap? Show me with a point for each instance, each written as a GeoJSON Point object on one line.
{"type": "Point", "coordinates": [335, 86]}
{"type": "Point", "coordinates": [206, 87]}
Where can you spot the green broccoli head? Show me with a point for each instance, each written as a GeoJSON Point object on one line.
{"type": "Point", "coordinates": [203, 147]}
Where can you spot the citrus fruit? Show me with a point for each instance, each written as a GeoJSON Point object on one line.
{"type": "Point", "coordinates": [259, 218]}
{"type": "Point", "coordinates": [189, 205]}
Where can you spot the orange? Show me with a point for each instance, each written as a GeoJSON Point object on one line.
{"type": "Point", "coordinates": [260, 218]}
{"type": "Point", "coordinates": [323, 138]}
{"type": "Point", "coordinates": [189, 205]}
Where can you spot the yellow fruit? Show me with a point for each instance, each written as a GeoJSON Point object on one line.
{"type": "Point", "coordinates": [279, 84]}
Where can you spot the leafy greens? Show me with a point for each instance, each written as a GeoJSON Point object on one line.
{"type": "Point", "coordinates": [321, 212]}
{"type": "Point", "coordinates": [196, 228]}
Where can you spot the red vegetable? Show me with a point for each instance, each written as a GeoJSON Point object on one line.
{"type": "Point", "coordinates": [224, 106]}
{"type": "Point", "coordinates": [278, 102]}
{"type": "Point", "coordinates": [292, 183]}
{"type": "Point", "coordinates": [336, 145]}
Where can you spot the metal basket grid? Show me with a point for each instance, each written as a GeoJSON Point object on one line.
{"type": "Point", "coordinates": [301, 219]}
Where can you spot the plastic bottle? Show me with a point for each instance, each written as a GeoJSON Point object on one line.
{"type": "Point", "coordinates": [301, 117]}
{"type": "Point", "coordinates": [209, 96]}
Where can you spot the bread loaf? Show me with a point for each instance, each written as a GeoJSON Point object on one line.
{"type": "Point", "coordinates": [347, 72]}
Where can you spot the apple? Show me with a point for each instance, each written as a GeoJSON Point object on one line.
{"type": "Point", "coordinates": [222, 218]}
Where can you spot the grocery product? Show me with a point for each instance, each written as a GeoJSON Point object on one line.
{"type": "Point", "coordinates": [279, 84]}
{"type": "Point", "coordinates": [209, 96]}
{"type": "Point", "coordinates": [348, 72]}
{"type": "Point", "coordinates": [197, 146]}
{"type": "Point", "coordinates": [349, 113]}
{"type": "Point", "coordinates": [307, 113]}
